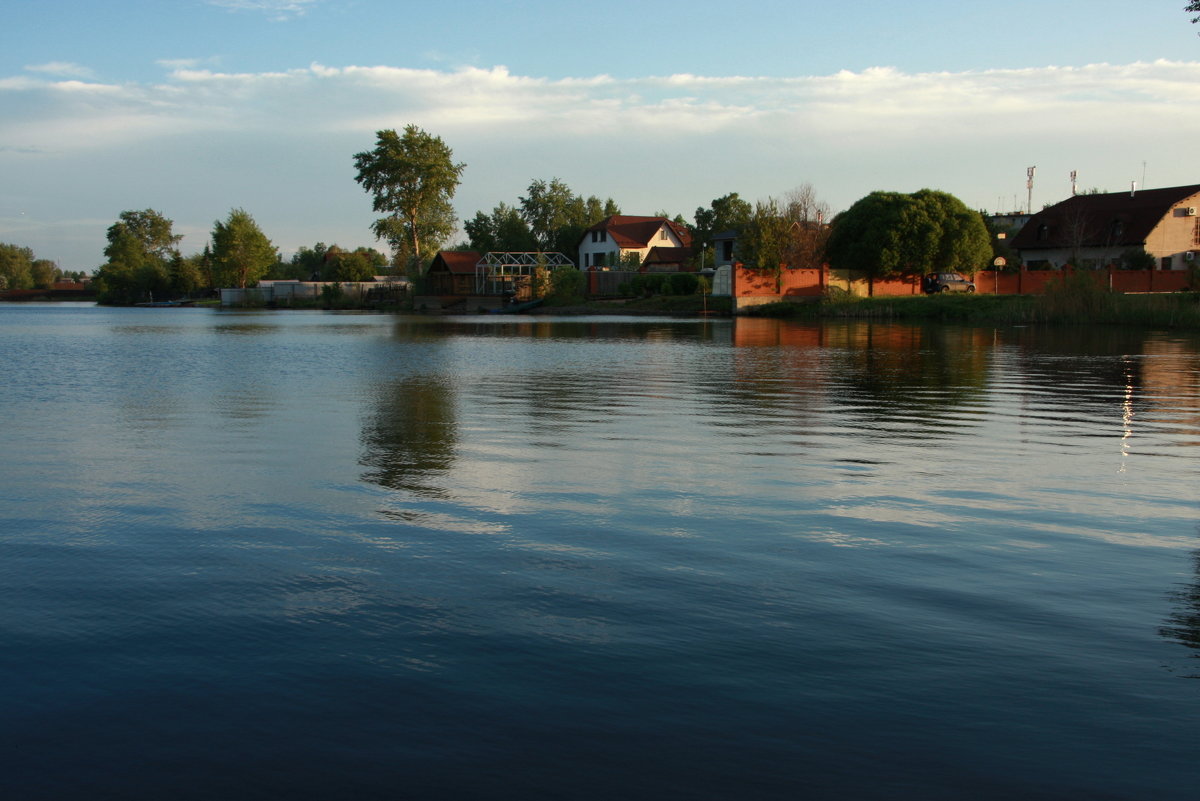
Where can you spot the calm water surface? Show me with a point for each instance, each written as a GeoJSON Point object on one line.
{"type": "Point", "coordinates": [321, 556]}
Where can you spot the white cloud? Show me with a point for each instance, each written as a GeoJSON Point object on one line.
{"type": "Point", "coordinates": [278, 9]}
{"type": "Point", "coordinates": [62, 68]}
{"type": "Point", "coordinates": [186, 63]}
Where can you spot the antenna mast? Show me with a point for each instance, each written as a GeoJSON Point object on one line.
{"type": "Point", "coordinates": [1029, 186]}
{"type": "Point", "coordinates": [1073, 192]}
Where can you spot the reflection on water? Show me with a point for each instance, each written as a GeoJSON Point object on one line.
{"type": "Point", "coordinates": [1183, 624]}
{"type": "Point", "coordinates": [317, 555]}
{"type": "Point", "coordinates": [409, 439]}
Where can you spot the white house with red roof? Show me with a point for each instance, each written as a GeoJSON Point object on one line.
{"type": "Point", "coordinates": [660, 244]}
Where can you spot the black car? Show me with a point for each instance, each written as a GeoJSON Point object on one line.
{"type": "Point", "coordinates": [946, 282]}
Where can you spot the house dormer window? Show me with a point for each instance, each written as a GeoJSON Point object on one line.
{"type": "Point", "coordinates": [1043, 232]}
{"type": "Point", "coordinates": [1117, 229]}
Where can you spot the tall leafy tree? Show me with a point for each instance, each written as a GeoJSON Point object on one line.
{"type": "Point", "coordinates": [724, 213]}
{"type": "Point", "coordinates": [307, 264]}
{"type": "Point", "coordinates": [1194, 6]}
{"type": "Point", "coordinates": [16, 267]}
{"type": "Point", "coordinates": [150, 229]}
{"type": "Point", "coordinates": [186, 273]}
{"type": "Point", "coordinates": [888, 234]}
{"type": "Point", "coordinates": [962, 240]}
{"type": "Point", "coordinates": [502, 230]}
{"type": "Point", "coordinates": [141, 245]}
{"type": "Point", "coordinates": [547, 208]}
{"type": "Point", "coordinates": [788, 232]}
{"type": "Point", "coordinates": [45, 273]}
{"type": "Point", "coordinates": [762, 240]}
{"type": "Point", "coordinates": [412, 178]}
{"type": "Point", "coordinates": [241, 252]}
{"type": "Point", "coordinates": [557, 217]}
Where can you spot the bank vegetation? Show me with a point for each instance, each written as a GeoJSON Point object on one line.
{"type": "Point", "coordinates": [1075, 299]}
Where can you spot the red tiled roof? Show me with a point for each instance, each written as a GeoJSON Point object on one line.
{"type": "Point", "coordinates": [628, 231]}
{"type": "Point", "coordinates": [1110, 220]}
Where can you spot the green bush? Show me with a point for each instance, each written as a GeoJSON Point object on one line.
{"type": "Point", "coordinates": [682, 283]}
{"type": "Point", "coordinates": [648, 284]}
{"type": "Point", "coordinates": [566, 287]}
{"type": "Point", "coordinates": [332, 295]}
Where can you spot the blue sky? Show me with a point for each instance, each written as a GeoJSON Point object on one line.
{"type": "Point", "coordinates": [193, 107]}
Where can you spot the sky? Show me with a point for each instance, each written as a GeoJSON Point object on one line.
{"type": "Point", "coordinates": [196, 107]}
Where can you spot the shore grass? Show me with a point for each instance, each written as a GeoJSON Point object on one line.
{"type": "Point", "coordinates": [1173, 310]}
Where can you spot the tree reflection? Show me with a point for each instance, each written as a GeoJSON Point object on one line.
{"type": "Point", "coordinates": [410, 441]}
{"type": "Point", "coordinates": [907, 379]}
{"type": "Point", "coordinates": [1183, 625]}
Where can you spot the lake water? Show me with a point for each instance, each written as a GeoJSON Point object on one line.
{"type": "Point", "coordinates": [305, 555]}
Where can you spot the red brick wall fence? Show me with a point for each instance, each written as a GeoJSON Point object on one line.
{"type": "Point", "coordinates": [752, 288]}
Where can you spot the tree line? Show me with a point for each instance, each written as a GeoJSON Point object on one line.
{"type": "Point", "coordinates": [142, 259]}
{"type": "Point", "coordinates": [412, 177]}
{"type": "Point", "coordinates": [21, 269]}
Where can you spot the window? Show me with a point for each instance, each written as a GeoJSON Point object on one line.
{"type": "Point", "coordinates": [1166, 263]}
{"type": "Point", "coordinates": [1043, 232]}
{"type": "Point", "coordinates": [727, 250]}
{"type": "Point", "coordinates": [662, 234]}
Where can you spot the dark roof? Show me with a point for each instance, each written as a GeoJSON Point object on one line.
{"type": "Point", "coordinates": [628, 231]}
{"type": "Point", "coordinates": [458, 262]}
{"type": "Point", "coordinates": [1115, 219]}
{"type": "Point", "coordinates": [659, 255]}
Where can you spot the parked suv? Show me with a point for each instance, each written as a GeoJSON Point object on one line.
{"type": "Point", "coordinates": [946, 282]}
